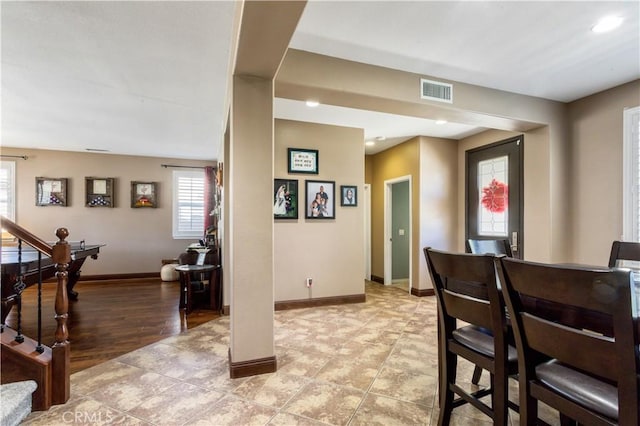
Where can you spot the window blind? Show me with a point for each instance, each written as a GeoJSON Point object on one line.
{"type": "Point", "coordinates": [8, 189]}
{"type": "Point", "coordinates": [188, 204]}
{"type": "Point", "coordinates": [631, 178]}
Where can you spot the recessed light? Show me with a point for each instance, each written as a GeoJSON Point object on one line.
{"type": "Point", "coordinates": [608, 23]}
{"type": "Point", "coordinates": [311, 103]}
{"type": "Point", "coordinates": [440, 122]}
{"type": "Point", "coordinates": [369, 143]}
{"type": "Point", "coordinates": [97, 150]}
{"type": "Point", "coordinates": [380, 138]}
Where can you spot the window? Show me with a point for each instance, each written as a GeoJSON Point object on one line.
{"type": "Point", "coordinates": [188, 204]}
{"type": "Point", "coordinates": [631, 179]}
{"type": "Point", "coordinates": [8, 189]}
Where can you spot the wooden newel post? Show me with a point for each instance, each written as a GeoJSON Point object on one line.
{"type": "Point", "coordinates": [60, 351]}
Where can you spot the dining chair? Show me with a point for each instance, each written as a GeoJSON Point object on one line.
{"type": "Point", "coordinates": [466, 291]}
{"type": "Point", "coordinates": [623, 250]}
{"type": "Point", "coordinates": [487, 246]}
{"type": "Point", "coordinates": [493, 246]}
{"type": "Point", "coordinates": [585, 375]}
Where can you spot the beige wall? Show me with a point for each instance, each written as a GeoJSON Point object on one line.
{"type": "Point", "coordinates": [537, 197]}
{"type": "Point", "coordinates": [398, 161]}
{"type": "Point", "coordinates": [438, 203]}
{"type": "Point", "coordinates": [136, 239]}
{"type": "Point", "coordinates": [431, 165]}
{"type": "Point", "coordinates": [329, 250]}
{"type": "Point", "coordinates": [250, 223]}
{"type": "Point", "coordinates": [339, 82]}
{"type": "Point", "coordinates": [368, 169]}
{"type": "Point", "coordinates": [596, 171]}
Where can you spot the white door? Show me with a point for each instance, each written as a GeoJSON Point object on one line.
{"type": "Point", "coordinates": [366, 202]}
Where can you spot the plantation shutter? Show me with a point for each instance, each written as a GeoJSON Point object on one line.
{"type": "Point", "coordinates": [188, 204]}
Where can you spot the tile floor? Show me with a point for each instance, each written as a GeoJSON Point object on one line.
{"type": "Point", "coordinates": [372, 363]}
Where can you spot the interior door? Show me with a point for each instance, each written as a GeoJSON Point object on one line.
{"type": "Point", "coordinates": [494, 192]}
{"type": "Point", "coordinates": [400, 251]}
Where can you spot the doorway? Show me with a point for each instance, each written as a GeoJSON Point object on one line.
{"type": "Point", "coordinates": [367, 231]}
{"type": "Point", "coordinates": [398, 235]}
{"type": "Point", "coordinates": [494, 192]}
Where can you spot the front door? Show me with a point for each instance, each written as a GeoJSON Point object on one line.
{"type": "Point", "coordinates": [494, 192]}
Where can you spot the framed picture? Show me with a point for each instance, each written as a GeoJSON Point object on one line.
{"type": "Point", "coordinates": [285, 199]}
{"type": "Point", "coordinates": [349, 195]}
{"type": "Point", "coordinates": [320, 198]}
{"type": "Point", "coordinates": [302, 160]}
{"type": "Point", "coordinates": [144, 194]}
{"type": "Point", "coordinates": [99, 192]}
{"type": "Point", "coordinates": [51, 191]}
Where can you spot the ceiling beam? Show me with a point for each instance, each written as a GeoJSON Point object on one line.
{"type": "Point", "coordinates": [265, 33]}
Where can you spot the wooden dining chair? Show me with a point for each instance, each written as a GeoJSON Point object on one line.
{"type": "Point", "coordinates": [466, 291]}
{"type": "Point", "coordinates": [493, 246]}
{"type": "Point", "coordinates": [623, 250]}
{"type": "Point", "coordinates": [588, 377]}
{"type": "Point", "coordinates": [487, 246]}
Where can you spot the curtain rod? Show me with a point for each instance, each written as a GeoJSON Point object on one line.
{"type": "Point", "coordinates": [184, 167]}
{"type": "Point", "coordinates": [24, 157]}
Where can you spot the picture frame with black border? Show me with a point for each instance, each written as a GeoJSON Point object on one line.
{"type": "Point", "coordinates": [301, 160]}
{"type": "Point", "coordinates": [51, 191]}
{"type": "Point", "coordinates": [348, 195]}
{"type": "Point", "coordinates": [285, 199]}
{"type": "Point", "coordinates": [320, 199]}
{"type": "Point", "coordinates": [144, 194]}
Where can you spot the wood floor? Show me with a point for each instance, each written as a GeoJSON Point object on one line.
{"type": "Point", "coordinates": [111, 318]}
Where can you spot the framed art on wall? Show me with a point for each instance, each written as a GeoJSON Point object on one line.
{"type": "Point", "coordinates": [302, 160]}
{"type": "Point", "coordinates": [285, 199]}
{"type": "Point", "coordinates": [51, 191]}
{"type": "Point", "coordinates": [348, 195]}
{"type": "Point", "coordinates": [320, 199]}
{"type": "Point", "coordinates": [99, 192]}
{"type": "Point", "coordinates": [144, 194]}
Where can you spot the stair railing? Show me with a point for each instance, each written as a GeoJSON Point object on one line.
{"type": "Point", "coordinates": [60, 254]}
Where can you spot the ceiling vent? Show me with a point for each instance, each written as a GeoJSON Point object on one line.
{"type": "Point", "coordinates": [436, 91]}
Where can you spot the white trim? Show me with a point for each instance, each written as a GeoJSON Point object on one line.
{"type": "Point", "coordinates": [367, 230]}
{"type": "Point", "coordinates": [630, 168]}
{"type": "Point", "coordinates": [387, 228]}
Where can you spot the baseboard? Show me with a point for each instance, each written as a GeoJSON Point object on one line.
{"type": "Point", "coordinates": [377, 279]}
{"type": "Point", "coordinates": [422, 292]}
{"type": "Point", "coordinates": [252, 367]}
{"type": "Point", "coordinates": [140, 275]}
{"type": "Point", "coordinates": [319, 301]}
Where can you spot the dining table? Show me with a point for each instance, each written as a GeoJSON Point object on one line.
{"type": "Point", "coordinates": [591, 320]}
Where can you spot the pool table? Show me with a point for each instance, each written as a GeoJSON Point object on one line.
{"type": "Point", "coordinates": [29, 261]}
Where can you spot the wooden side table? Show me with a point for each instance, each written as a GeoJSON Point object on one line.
{"type": "Point", "coordinates": [186, 291]}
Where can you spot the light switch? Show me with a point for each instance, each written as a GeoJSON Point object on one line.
{"type": "Point", "coordinates": [400, 231]}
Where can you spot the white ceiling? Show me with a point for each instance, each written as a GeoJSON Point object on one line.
{"type": "Point", "coordinates": [151, 78]}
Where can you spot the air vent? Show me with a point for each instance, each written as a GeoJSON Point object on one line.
{"type": "Point", "coordinates": [436, 91]}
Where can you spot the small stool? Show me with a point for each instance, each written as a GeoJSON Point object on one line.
{"type": "Point", "coordinates": [168, 272]}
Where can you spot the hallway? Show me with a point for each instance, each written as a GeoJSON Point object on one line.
{"type": "Point", "coordinates": [368, 363]}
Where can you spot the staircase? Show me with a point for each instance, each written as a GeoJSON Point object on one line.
{"type": "Point", "coordinates": [16, 402]}
{"type": "Point", "coordinates": [24, 359]}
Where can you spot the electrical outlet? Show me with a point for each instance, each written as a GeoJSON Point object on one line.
{"type": "Point", "coordinates": [309, 282]}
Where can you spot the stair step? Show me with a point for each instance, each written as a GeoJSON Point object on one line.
{"type": "Point", "coordinates": [21, 362]}
{"type": "Point", "coordinates": [16, 401]}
